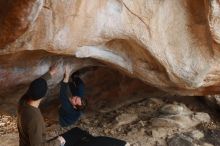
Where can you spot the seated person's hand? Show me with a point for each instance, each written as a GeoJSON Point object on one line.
{"type": "Point", "coordinates": [62, 140]}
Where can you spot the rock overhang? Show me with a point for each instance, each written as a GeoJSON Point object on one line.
{"type": "Point", "coordinates": [164, 44]}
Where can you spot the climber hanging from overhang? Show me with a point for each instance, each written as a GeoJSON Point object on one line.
{"type": "Point", "coordinates": [72, 99]}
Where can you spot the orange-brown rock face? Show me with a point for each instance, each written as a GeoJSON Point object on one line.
{"type": "Point", "coordinates": [171, 45]}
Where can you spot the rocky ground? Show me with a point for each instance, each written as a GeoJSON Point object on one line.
{"type": "Point", "coordinates": [150, 122]}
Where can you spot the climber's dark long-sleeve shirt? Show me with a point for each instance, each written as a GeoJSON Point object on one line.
{"type": "Point", "coordinates": [67, 114]}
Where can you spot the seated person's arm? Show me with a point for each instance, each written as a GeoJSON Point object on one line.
{"type": "Point", "coordinates": [35, 133]}
{"type": "Point", "coordinates": [47, 76]}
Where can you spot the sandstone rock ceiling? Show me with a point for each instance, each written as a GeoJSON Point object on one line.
{"type": "Point", "coordinates": [169, 44]}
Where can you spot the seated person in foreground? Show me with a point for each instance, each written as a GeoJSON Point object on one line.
{"type": "Point", "coordinates": [79, 137]}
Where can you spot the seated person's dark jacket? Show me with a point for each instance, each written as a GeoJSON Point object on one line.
{"type": "Point", "coordinates": [31, 125]}
{"type": "Point", "coordinates": [67, 114]}
{"type": "Point", "coordinates": [79, 137]}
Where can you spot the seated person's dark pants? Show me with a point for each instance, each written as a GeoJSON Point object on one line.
{"type": "Point", "coordinates": [78, 137]}
{"type": "Point", "coordinates": [67, 114]}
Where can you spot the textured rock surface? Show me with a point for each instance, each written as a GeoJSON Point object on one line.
{"type": "Point", "coordinates": [179, 116]}
{"type": "Point", "coordinates": [124, 119]}
{"type": "Point", "coordinates": [181, 140]}
{"type": "Point", "coordinates": [195, 138]}
{"type": "Point", "coordinates": [213, 101]}
{"type": "Point", "coordinates": [172, 45]}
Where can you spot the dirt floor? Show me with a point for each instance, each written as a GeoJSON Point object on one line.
{"type": "Point", "coordinates": [133, 123]}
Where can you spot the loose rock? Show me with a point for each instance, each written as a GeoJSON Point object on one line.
{"type": "Point", "coordinates": [126, 119]}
